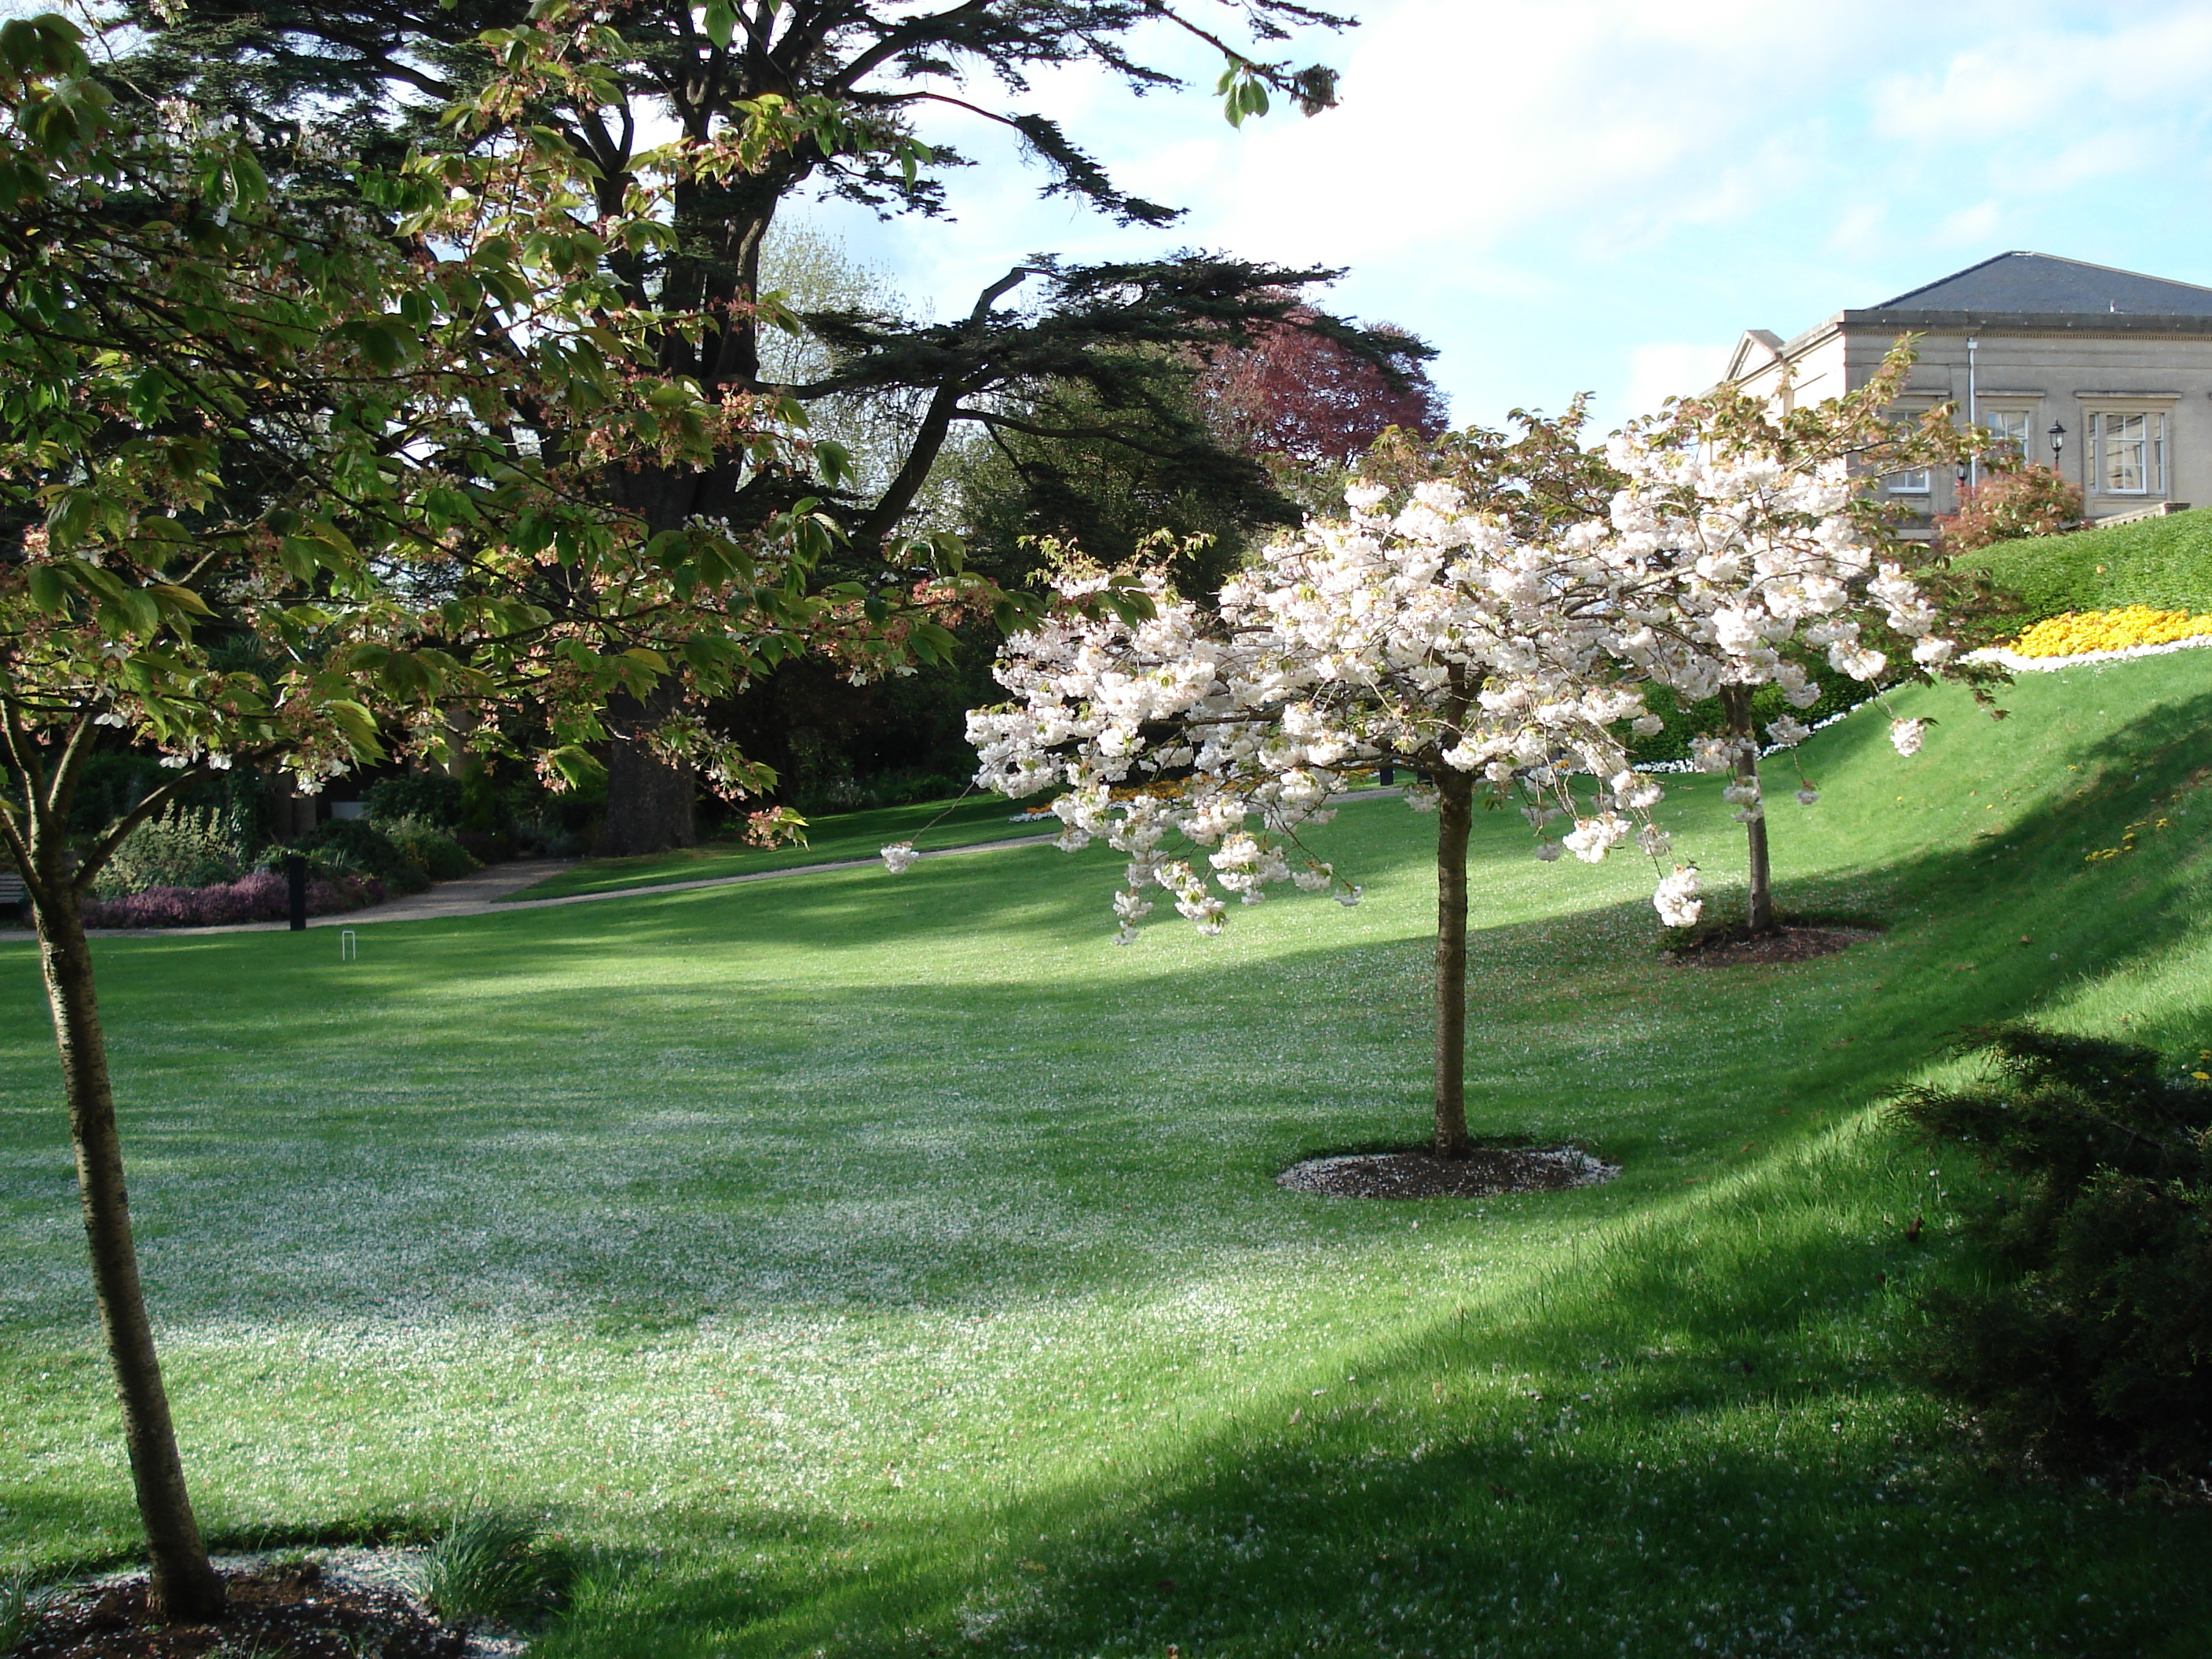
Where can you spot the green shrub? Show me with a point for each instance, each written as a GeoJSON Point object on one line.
{"type": "Point", "coordinates": [429, 848]}
{"type": "Point", "coordinates": [431, 797]}
{"type": "Point", "coordinates": [492, 1564]}
{"type": "Point", "coordinates": [2093, 1343]}
{"type": "Point", "coordinates": [354, 847]}
{"type": "Point", "coordinates": [181, 847]}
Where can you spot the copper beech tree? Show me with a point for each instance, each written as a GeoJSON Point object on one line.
{"type": "Point", "coordinates": [298, 489]}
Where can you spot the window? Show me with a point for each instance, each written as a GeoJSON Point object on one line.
{"type": "Point", "coordinates": [2007, 432]}
{"type": "Point", "coordinates": [2127, 453]}
{"type": "Point", "coordinates": [1909, 483]}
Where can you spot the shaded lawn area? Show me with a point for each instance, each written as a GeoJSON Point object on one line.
{"type": "Point", "coordinates": [890, 1266]}
{"type": "Point", "coordinates": [843, 836]}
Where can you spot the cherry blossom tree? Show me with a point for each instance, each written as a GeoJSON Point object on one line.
{"type": "Point", "coordinates": [1818, 570]}
{"type": "Point", "coordinates": [1503, 657]}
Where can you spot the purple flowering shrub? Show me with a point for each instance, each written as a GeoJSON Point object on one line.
{"type": "Point", "coordinates": [260, 897]}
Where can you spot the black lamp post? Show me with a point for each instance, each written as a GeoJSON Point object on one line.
{"type": "Point", "coordinates": [2058, 436]}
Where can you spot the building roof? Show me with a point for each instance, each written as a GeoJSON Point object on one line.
{"type": "Point", "coordinates": [2041, 282]}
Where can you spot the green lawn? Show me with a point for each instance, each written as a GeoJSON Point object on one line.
{"type": "Point", "coordinates": [870, 1265]}
{"type": "Point", "coordinates": [929, 825]}
{"type": "Point", "coordinates": [2164, 562]}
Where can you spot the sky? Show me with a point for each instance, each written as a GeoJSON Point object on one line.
{"type": "Point", "coordinates": [1602, 195]}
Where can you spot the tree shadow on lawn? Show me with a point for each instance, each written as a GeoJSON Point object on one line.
{"type": "Point", "coordinates": [1544, 1481]}
{"type": "Point", "coordinates": [959, 1144]}
{"type": "Point", "coordinates": [1767, 1266]}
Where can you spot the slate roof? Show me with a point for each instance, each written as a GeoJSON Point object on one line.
{"type": "Point", "coordinates": [2042, 282]}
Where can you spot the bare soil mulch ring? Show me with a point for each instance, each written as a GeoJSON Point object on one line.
{"type": "Point", "coordinates": [278, 1610]}
{"type": "Point", "coordinates": [1739, 947]}
{"type": "Point", "coordinates": [1487, 1173]}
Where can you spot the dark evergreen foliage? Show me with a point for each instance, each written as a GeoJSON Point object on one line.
{"type": "Point", "coordinates": [430, 796]}
{"type": "Point", "coordinates": [2092, 1345]}
{"type": "Point", "coordinates": [1098, 364]}
{"type": "Point", "coordinates": [356, 845]}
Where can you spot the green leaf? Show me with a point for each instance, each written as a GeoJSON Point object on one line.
{"type": "Point", "coordinates": [183, 598]}
{"type": "Point", "coordinates": [721, 22]}
{"type": "Point", "coordinates": [49, 588]}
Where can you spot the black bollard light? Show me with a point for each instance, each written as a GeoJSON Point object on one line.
{"type": "Point", "coordinates": [295, 879]}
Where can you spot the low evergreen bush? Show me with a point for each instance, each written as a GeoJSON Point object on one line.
{"type": "Point", "coordinates": [430, 798]}
{"type": "Point", "coordinates": [2092, 1344]}
{"type": "Point", "coordinates": [340, 846]}
{"type": "Point", "coordinates": [429, 847]}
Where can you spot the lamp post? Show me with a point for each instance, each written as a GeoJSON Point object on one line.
{"type": "Point", "coordinates": [2058, 436]}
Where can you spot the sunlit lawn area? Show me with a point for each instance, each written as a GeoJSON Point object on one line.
{"type": "Point", "coordinates": [979, 818]}
{"type": "Point", "coordinates": [876, 1266]}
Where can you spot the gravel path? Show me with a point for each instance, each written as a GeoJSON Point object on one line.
{"type": "Point", "coordinates": [479, 895]}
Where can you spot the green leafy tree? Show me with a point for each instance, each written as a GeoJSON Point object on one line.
{"type": "Point", "coordinates": [302, 489]}
{"type": "Point", "coordinates": [844, 78]}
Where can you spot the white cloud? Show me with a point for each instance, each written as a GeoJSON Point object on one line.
{"type": "Point", "coordinates": [1611, 122]}
{"type": "Point", "coordinates": [1659, 370]}
{"type": "Point", "coordinates": [2048, 84]}
{"type": "Point", "coordinates": [1572, 194]}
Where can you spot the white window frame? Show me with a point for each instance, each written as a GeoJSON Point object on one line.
{"type": "Point", "coordinates": [2022, 413]}
{"type": "Point", "coordinates": [1915, 483]}
{"type": "Point", "coordinates": [2105, 449]}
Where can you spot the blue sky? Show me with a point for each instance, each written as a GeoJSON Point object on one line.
{"type": "Point", "coordinates": [1601, 195]}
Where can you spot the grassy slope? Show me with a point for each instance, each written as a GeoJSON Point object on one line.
{"type": "Point", "coordinates": [2164, 562]}
{"type": "Point", "coordinates": [891, 1266]}
{"type": "Point", "coordinates": [845, 836]}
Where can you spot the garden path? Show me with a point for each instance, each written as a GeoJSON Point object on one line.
{"type": "Point", "coordinates": [479, 895]}
{"type": "Point", "coordinates": [482, 894]}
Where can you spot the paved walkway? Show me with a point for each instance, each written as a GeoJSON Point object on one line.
{"type": "Point", "coordinates": [478, 895]}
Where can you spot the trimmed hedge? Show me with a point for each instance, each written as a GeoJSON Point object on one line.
{"type": "Point", "coordinates": [2166, 563]}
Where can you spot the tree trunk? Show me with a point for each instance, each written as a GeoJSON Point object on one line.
{"type": "Point", "coordinates": [1735, 705]}
{"type": "Point", "coordinates": [184, 1587]}
{"type": "Point", "coordinates": [652, 806]}
{"type": "Point", "coordinates": [1455, 814]}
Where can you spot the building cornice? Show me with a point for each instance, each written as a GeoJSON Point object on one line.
{"type": "Point", "coordinates": [1903, 321]}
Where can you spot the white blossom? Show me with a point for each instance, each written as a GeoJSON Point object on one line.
{"type": "Point", "coordinates": [1676, 899]}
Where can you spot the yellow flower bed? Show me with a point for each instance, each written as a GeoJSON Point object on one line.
{"type": "Point", "coordinates": [2080, 631]}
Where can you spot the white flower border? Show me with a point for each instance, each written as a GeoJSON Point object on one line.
{"type": "Point", "coordinates": [2020, 665]}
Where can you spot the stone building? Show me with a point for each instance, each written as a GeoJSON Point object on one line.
{"type": "Point", "coordinates": [2107, 371]}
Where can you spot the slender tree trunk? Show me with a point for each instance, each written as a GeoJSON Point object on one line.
{"type": "Point", "coordinates": [1455, 814]}
{"type": "Point", "coordinates": [184, 1587]}
{"type": "Point", "coordinates": [1735, 705]}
